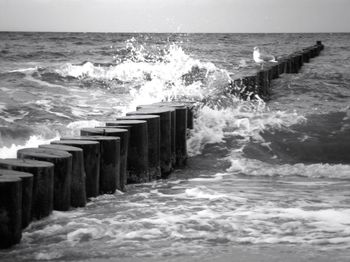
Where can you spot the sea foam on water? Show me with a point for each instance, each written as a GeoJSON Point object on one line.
{"type": "Point", "coordinates": [33, 141]}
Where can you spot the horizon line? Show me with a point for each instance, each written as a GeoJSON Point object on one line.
{"type": "Point", "coordinates": [150, 32]}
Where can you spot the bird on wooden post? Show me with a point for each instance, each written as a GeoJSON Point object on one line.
{"type": "Point", "coordinates": [261, 58]}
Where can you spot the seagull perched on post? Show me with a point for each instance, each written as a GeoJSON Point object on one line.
{"type": "Point", "coordinates": [261, 58]}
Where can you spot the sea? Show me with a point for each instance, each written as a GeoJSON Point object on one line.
{"type": "Point", "coordinates": [267, 180]}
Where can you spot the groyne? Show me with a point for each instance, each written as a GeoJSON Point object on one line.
{"type": "Point", "coordinates": [252, 84]}
{"type": "Point", "coordinates": [145, 145]}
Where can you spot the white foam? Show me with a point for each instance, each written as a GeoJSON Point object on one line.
{"type": "Point", "coordinates": [84, 234]}
{"type": "Point", "coordinates": [74, 127]}
{"type": "Point", "coordinates": [252, 167]}
{"type": "Point", "coordinates": [143, 234]}
{"type": "Point", "coordinates": [12, 118]}
{"type": "Point", "coordinates": [203, 216]}
{"type": "Point", "coordinates": [242, 119]}
{"type": "Point", "coordinates": [155, 81]}
{"type": "Point", "coordinates": [173, 65]}
{"type": "Point", "coordinates": [71, 214]}
{"type": "Point", "coordinates": [29, 69]}
{"type": "Point", "coordinates": [43, 83]}
{"type": "Point", "coordinates": [33, 141]}
{"type": "Point", "coordinates": [203, 192]}
{"type": "Point", "coordinates": [216, 177]}
{"type": "Point", "coordinates": [48, 256]}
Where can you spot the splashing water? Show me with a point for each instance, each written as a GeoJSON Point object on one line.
{"type": "Point", "coordinates": [33, 141]}
{"type": "Point", "coordinates": [142, 78]}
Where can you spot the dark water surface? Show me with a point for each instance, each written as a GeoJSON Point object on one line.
{"type": "Point", "coordinates": [266, 181]}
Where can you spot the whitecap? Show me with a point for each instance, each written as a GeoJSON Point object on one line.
{"type": "Point", "coordinates": [33, 141]}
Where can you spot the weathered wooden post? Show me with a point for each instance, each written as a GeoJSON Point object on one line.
{"type": "Point", "coordinates": [180, 131]}
{"type": "Point", "coordinates": [43, 179]}
{"type": "Point", "coordinates": [78, 184]}
{"type": "Point", "coordinates": [138, 149]}
{"type": "Point", "coordinates": [91, 161]}
{"type": "Point", "coordinates": [122, 143]}
{"type": "Point", "coordinates": [91, 153]}
{"type": "Point", "coordinates": [153, 125]}
{"type": "Point", "coordinates": [281, 65]}
{"type": "Point", "coordinates": [27, 193]}
{"type": "Point", "coordinates": [320, 45]}
{"type": "Point", "coordinates": [165, 136]}
{"type": "Point", "coordinates": [306, 55]}
{"type": "Point", "coordinates": [62, 172]}
{"type": "Point", "coordinates": [110, 159]}
{"type": "Point", "coordinates": [172, 129]}
{"type": "Point", "coordinates": [275, 71]}
{"type": "Point", "coordinates": [263, 83]}
{"type": "Point", "coordinates": [10, 211]}
{"type": "Point", "coordinates": [191, 105]}
{"type": "Point", "coordinates": [123, 132]}
{"type": "Point", "coordinates": [127, 128]}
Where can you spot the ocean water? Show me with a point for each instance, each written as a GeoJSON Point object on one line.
{"type": "Point", "coordinates": [266, 181]}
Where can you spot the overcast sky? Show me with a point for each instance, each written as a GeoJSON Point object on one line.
{"type": "Point", "coordinates": [175, 15]}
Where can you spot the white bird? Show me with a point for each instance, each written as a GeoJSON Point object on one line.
{"type": "Point", "coordinates": [261, 58]}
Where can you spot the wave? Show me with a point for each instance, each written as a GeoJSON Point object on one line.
{"type": "Point", "coordinates": [228, 217]}
{"type": "Point", "coordinates": [243, 121]}
{"type": "Point", "coordinates": [33, 141]}
{"type": "Point", "coordinates": [151, 74]}
{"type": "Point", "coordinates": [260, 142]}
{"type": "Point", "coordinates": [256, 168]}
{"type": "Point", "coordinates": [17, 138]}
{"type": "Point", "coordinates": [30, 69]}
{"type": "Point", "coordinates": [146, 76]}
{"type": "Point", "coordinates": [170, 64]}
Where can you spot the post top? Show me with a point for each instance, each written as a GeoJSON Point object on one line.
{"type": "Point", "coordinates": [15, 162]}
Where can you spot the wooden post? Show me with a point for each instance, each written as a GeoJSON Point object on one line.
{"type": "Point", "coordinates": [43, 179]}
{"type": "Point", "coordinates": [294, 66]}
{"type": "Point", "coordinates": [78, 184]}
{"type": "Point", "coordinates": [281, 65]}
{"type": "Point", "coordinates": [153, 124]}
{"type": "Point", "coordinates": [306, 55]}
{"type": "Point", "coordinates": [275, 71]}
{"type": "Point", "coordinates": [191, 105]}
{"type": "Point", "coordinates": [138, 149]}
{"type": "Point", "coordinates": [289, 66]}
{"type": "Point", "coordinates": [10, 211]}
{"type": "Point", "coordinates": [91, 152]}
{"type": "Point", "coordinates": [27, 193]}
{"type": "Point", "coordinates": [172, 129]}
{"type": "Point", "coordinates": [180, 131]}
{"type": "Point", "coordinates": [110, 160]}
{"type": "Point", "coordinates": [313, 52]}
{"type": "Point", "coordinates": [321, 46]}
{"type": "Point", "coordinates": [62, 172]}
{"type": "Point", "coordinates": [263, 83]}
{"type": "Point", "coordinates": [165, 136]}
{"type": "Point", "coordinates": [270, 73]}
{"type": "Point", "coordinates": [123, 135]}
{"type": "Point", "coordinates": [300, 60]}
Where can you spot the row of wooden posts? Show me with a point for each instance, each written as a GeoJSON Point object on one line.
{"type": "Point", "coordinates": [259, 83]}
{"type": "Point", "coordinates": [142, 146]}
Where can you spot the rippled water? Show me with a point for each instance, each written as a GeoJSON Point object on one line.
{"type": "Point", "coordinates": [265, 180]}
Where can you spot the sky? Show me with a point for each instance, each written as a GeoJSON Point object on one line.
{"type": "Point", "coordinates": [210, 16]}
